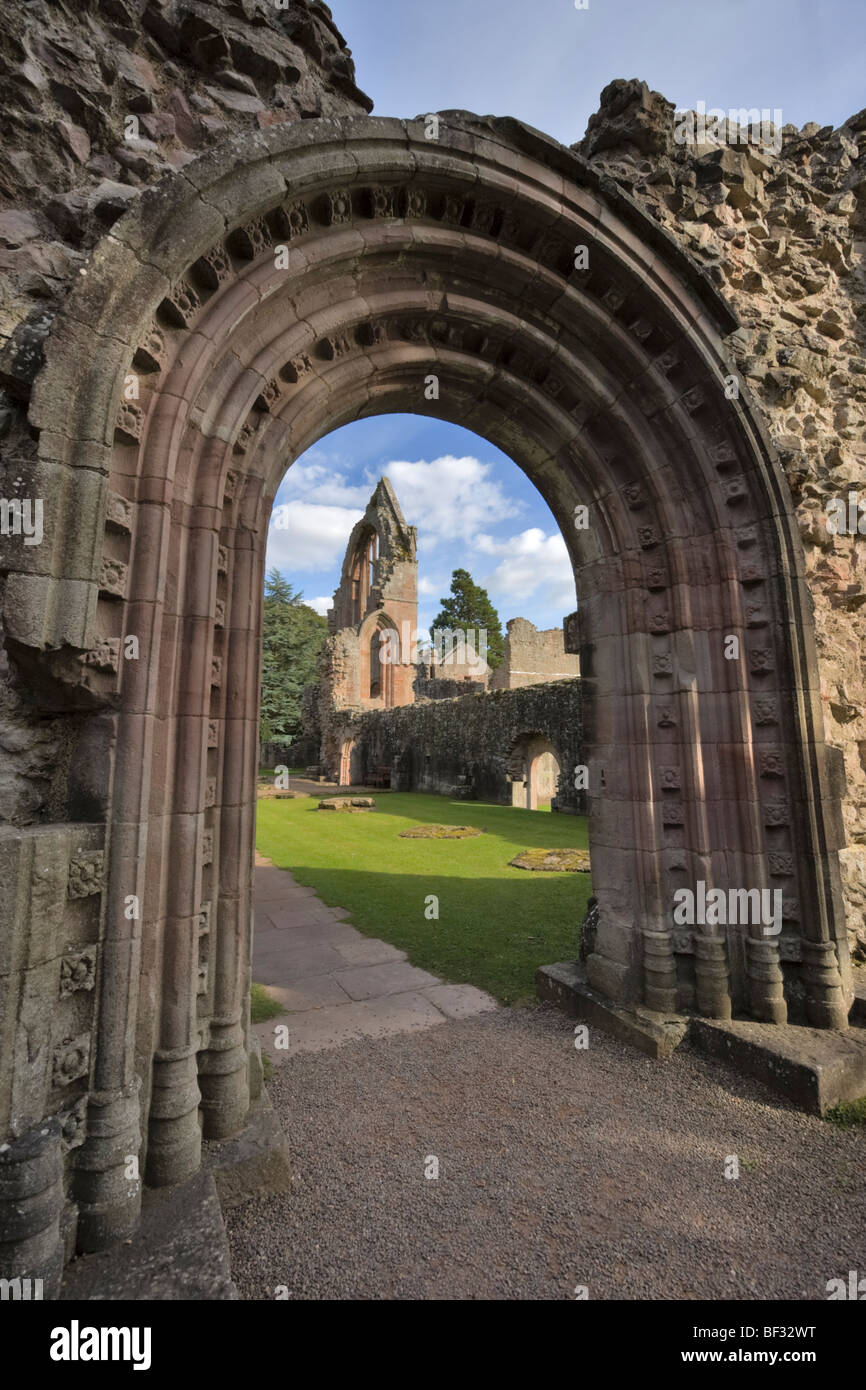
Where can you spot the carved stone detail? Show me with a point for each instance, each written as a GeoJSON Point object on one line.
{"type": "Point", "coordinates": [112, 578]}
{"type": "Point", "coordinates": [70, 1060]}
{"type": "Point", "coordinates": [78, 971]}
{"type": "Point", "coordinates": [129, 422]}
{"type": "Point", "coordinates": [181, 306]}
{"type": "Point", "coordinates": [86, 873]}
{"type": "Point", "coordinates": [105, 656]}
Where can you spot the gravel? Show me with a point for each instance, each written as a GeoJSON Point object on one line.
{"type": "Point", "coordinates": [558, 1168]}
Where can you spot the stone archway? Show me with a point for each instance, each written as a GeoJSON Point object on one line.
{"type": "Point", "coordinates": [295, 280]}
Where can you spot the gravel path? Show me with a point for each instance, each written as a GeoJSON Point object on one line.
{"type": "Point", "coordinates": [557, 1168]}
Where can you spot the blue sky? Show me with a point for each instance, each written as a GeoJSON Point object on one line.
{"type": "Point", "coordinates": [545, 63]}
{"type": "Point", "coordinates": [473, 507]}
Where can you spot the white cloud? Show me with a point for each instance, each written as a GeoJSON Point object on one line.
{"type": "Point", "coordinates": [320, 605]}
{"type": "Point", "coordinates": [306, 536]}
{"type": "Point", "coordinates": [533, 566]}
{"type": "Point", "coordinates": [322, 479]}
{"type": "Point", "coordinates": [449, 498]}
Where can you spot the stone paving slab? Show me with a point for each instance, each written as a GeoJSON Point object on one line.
{"type": "Point", "coordinates": [460, 1001]}
{"type": "Point", "coordinates": [314, 1030]}
{"type": "Point", "coordinates": [335, 985]}
{"type": "Point", "coordinates": [394, 977]}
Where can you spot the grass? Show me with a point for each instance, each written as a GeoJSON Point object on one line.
{"type": "Point", "coordinates": [848, 1113]}
{"type": "Point", "coordinates": [263, 1005]}
{"type": "Point", "coordinates": [496, 924]}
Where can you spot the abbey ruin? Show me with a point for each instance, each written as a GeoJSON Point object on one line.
{"type": "Point", "coordinates": [213, 255]}
{"type": "Point", "coordinates": [393, 711]}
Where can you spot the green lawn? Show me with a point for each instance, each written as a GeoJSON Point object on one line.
{"type": "Point", "coordinates": [496, 924]}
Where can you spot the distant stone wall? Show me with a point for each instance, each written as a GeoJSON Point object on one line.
{"type": "Point", "coordinates": [472, 747]}
{"type": "Point", "coordinates": [533, 656]}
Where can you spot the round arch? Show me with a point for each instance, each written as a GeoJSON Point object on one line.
{"type": "Point", "coordinates": [299, 278]}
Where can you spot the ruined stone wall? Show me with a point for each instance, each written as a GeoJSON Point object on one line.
{"type": "Point", "coordinates": [783, 236]}
{"type": "Point", "coordinates": [99, 99]}
{"type": "Point", "coordinates": [466, 747]}
{"type": "Point", "coordinates": [532, 656]}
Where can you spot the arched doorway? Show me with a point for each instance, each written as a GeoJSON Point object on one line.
{"type": "Point", "coordinates": [534, 770]}
{"type": "Point", "coordinates": [408, 258]}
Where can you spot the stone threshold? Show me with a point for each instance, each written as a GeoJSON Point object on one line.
{"type": "Point", "coordinates": [814, 1068]}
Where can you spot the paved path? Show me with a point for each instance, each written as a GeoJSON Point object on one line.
{"type": "Point", "coordinates": [334, 983]}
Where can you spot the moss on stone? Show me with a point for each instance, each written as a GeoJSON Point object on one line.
{"type": "Point", "coordinates": [440, 832]}
{"type": "Point", "coordinates": [551, 861]}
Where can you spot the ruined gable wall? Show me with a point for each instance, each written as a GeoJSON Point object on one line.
{"type": "Point", "coordinates": [532, 656]}
{"type": "Point", "coordinates": [783, 237]}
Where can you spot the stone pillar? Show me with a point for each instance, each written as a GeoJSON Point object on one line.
{"type": "Point", "coordinates": [825, 1003]}
{"type": "Point", "coordinates": [711, 976]}
{"type": "Point", "coordinates": [660, 972]}
{"type": "Point", "coordinates": [766, 982]}
{"type": "Point", "coordinates": [31, 1205]}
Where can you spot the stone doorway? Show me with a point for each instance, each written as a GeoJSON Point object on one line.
{"type": "Point", "coordinates": [300, 278]}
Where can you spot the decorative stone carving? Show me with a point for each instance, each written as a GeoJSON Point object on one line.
{"type": "Point", "coordinates": [129, 422]}
{"type": "Point", "coordinates": [683, 941]}
{"type": "Point", "coordinates": [414, 202]}
{"type": "Point", "coordinates": [251, 240]}
{"type": "Point", "coordinates": [216, 671]}
{"type": "Point", "coordinates": [694, 398]}
{"type": "Point", "coordinates": [761, 660]}
{"type": "Point", "coordinates": [663, 664]}
{"type": "Point", "coordinates": [633, 494]}
{"type": "Point", "coordinates": [220, 613]}
{"type": "Point", "coordinates": [204, 919]}
{"type": "Point", "coordinates": [723, 456]}
{"type": "Point", "coordinates": [150, 356]}
{"type": "Point", "coordinates": [105, 656]}
{"type": "Point", "coordinates": [776, 812]}
{"type": "Point", "coordinates": [337, 206]}
{"type": "Point", "coordinates": [212, 733]}
{"type": "Point", "coordinates": [648, 537]}
{"type": "Point", "coordinates": [380, 201]}
{"type": "Point", "coordinates": [112, 578]}
{"type": "Point", "coordinates": [207, 847]}
{"type": "Point", "coordinates": [736, 493]}
{"type": "Point", "coordinates": [230, 486]}
{"type": "Point", "coordinates": [73, 1125]}
{"type": "Point", "coordinates": [119, 512]}
{"type": "Point", "coordinates": [673, 813]}
{"type": "Point", "coordinates": [70, 1060]}
{"type": "Point", "coordinates": [293, 220]}
{"type": "Point", "coordinates": [781, 865]}
{"type": "Point", "coordinates": [214, 268]}
{"type": "Point", "coordinates": [771, 763]}
{"type": "Point", "coordinates": [268, 397]}
{"type": "Point", "coordinates": [86, 873]}
{"type": "Point", "coordinates": [766, 711]}
{"type": "Point", "coordinates": [666, 717]}
{"type": "Point", "coordinates": [181, 306]}
{"type": "Point", "coordinates": [210, 792]}
{"type": "Point", "coordinates": [656, 579]}
{"type": "Point", "coordinates": [222, 560]}
{"type": "Point", "coordinates": [669, 778]}
{"type": "Point", "coordinates": [78, 971]}
{"type": "Point", "coordinates": [660, 622]}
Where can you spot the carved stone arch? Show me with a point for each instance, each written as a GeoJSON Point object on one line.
{"type": "Point", "coordinates": [410, 259]}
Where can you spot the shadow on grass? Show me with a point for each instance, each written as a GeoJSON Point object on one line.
{"type": "Point", "coordinates": [490, 932]}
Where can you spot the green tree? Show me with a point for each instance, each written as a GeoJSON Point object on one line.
{"type": "Point", "coordinates": [293, 635]}
{"type": "Point", "coordinates": [469, 607]}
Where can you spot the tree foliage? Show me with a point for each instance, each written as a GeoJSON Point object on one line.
{"type": "Point", "coordinates": [293, 636]}
{"type": "Point", "coordinates": [469, 607]}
